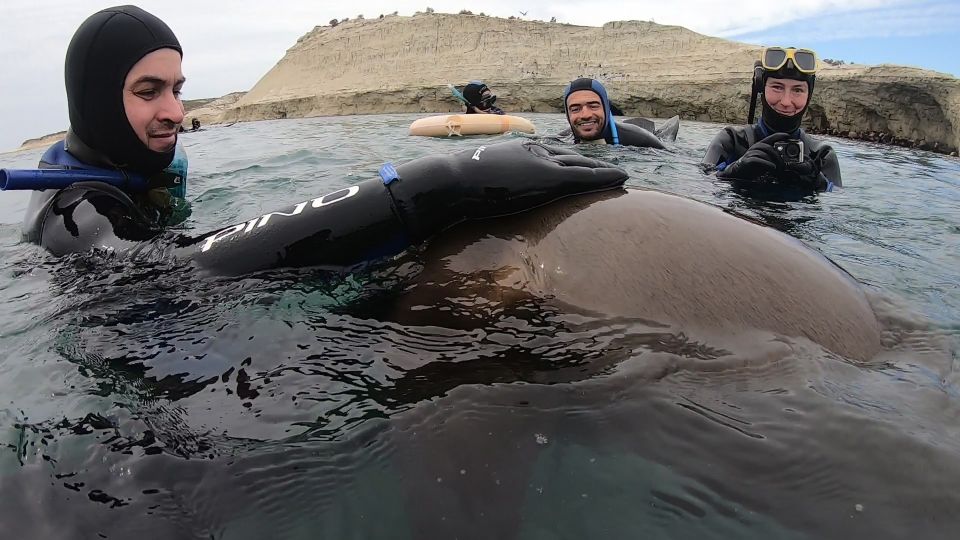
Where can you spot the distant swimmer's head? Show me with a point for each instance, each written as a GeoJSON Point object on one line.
{"type": "Point", "coordinates": [479, 95]}
{"type": "Point", "coordinates": [785, 77]}
{"type": "Point", "coordinates": [123, 76]}
{"type": "Point", "coordinates": [587, 107]}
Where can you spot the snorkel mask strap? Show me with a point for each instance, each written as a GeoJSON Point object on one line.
{"type": "Point", "coordinates": [755, 88]}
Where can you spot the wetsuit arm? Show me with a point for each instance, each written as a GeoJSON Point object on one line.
{"type": "Point", "coordinates": [718, 154]}
{"type": "Point", "coordinates": [384, 216]}
{"type": "Point", "coordinates": [349, 227]}
{"type": "Point", "coordinates": [340, 229]}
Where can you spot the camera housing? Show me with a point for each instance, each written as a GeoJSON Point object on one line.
{"type": "Point", "coordinates": [791, 150]}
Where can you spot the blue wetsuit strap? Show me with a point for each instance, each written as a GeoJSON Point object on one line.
{"type": "Point", "coordinates": [388, 173]}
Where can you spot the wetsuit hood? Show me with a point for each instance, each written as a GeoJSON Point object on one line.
{"type": "Point", "coordinates": [101, 53]}
{"type": "Point", "coordinates": [609, 131]}
{"type": "Point", "coordinates": [773, 121]}
{"type": "Point", "coordinates": [473, 93]}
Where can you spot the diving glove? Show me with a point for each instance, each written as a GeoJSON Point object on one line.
{"type": "Point", "coordinates": [806, 174]}
{"type": "Point", "coordinates": [436, 192]}
{"type": "Point", "coordinates": [760, 159]}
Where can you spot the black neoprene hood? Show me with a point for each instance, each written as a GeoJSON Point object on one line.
{"type": "Point", "coordinates": [774, 120]}
{"type": "Point", "coordinates": [103, 50]}
{"type": "Point", "coordinates": [473, 92]}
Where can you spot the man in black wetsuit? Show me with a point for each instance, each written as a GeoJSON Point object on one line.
{"type": "Point", "coordinates": [123, 81]}
{"type": "Point", "coordinates": [590, 115]}
{"type": "Point", "coordinates": [480, 99]}
{"type": "Point", "coordinates": [776, 151]}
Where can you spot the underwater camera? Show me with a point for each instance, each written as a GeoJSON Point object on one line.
{"type": "Point", "coordinates": [791, 150]}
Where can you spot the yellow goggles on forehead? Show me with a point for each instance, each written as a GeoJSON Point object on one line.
{"type": "Point", "coordinates": [774, 58]}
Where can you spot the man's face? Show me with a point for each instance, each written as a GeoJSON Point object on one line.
{"type": "Point", "coordinates": [786, 96]}
{"type": "Point", "coordinates": [585, 111]}
{"type": "Point", "coordinates": [151, 99]}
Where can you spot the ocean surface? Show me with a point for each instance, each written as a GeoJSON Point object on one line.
{"type": "Point", "coordinates": [142, 401]}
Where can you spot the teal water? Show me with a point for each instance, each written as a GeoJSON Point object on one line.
{"type": "Point", "coordinates": [143, 401]}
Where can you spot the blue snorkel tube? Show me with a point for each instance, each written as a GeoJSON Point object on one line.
{"type": "Point", "coordinates": [174, 177]}
{"type": "Point", "coordinates": [613, 126]}
{"type": "Point", "coordinates": [457, 94]}
{"type": "Point", "coordinates": [11, 179]}
{"type": "Point", "coordinates": [602, 92]}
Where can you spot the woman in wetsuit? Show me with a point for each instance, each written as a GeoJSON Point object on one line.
{"type": "Point", "coordinates": [776, 151]}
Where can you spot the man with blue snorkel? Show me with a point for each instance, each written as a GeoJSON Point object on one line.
{"type": "Point", "coordinates": [776, 151]}
{"type": "Point", "coordinates": [590, 116]}
{"type": "Point", "coordinates": [123, 81]}
{"type": "Point", "coordinates": [113, 188]}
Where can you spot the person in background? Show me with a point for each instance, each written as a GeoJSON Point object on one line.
{"type": "Point", "coordinates": [776, 151]}
{"type": "Point", "coordinates": [480, 99]}
{"type": "Point", "coordinates": [591, 118]}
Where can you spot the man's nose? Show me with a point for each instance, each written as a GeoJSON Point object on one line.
{"type": "Point", "coordinates": [171, 108]}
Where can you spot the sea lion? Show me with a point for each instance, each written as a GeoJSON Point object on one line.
{"type": "Point", "coordinates": [674, 263]}
{"type": "Point", "coordinates": [659, 288]}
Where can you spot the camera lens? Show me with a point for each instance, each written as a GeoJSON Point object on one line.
{"type": "Point", "coordinates": [792, 151]}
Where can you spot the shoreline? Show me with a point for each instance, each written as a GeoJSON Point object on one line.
{"type": "Point", "coordinates": [878, 137]}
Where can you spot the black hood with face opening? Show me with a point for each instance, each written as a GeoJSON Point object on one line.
{"type": "Point", "coordinates": [101, 53]}
{"type": "Point", "coordinates": [773, 120]}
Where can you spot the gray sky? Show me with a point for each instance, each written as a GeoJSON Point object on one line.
{"type": "Point", "coordinates": [229, 45]}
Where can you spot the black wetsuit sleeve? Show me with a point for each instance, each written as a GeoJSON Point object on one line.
{"type": "Point", "coordinates": [341, 229]}
{"type": "Point", "coordinates": [722, 151]}
{"type": "Point", "coordinates": [382, 217]}
{"type": "Point", "coordinates": [91, 215]}
{"type": "Point", "coordinates": [348, 227]}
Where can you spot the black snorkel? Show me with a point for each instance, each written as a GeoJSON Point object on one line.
{"type": "Point", "coordinates": [756, 87]}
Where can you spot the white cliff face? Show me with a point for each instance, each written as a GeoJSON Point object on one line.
{"type": "Point", "coordinates": [402, 64]}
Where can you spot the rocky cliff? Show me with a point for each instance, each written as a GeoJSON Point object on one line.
{"type": "Point", "coordinates": [402, 64]}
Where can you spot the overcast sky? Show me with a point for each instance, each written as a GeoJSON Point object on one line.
{"type": "Point", "coordinates": [229, 45]}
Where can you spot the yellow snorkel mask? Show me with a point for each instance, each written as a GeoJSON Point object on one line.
{"type": "Point", "coordinates": [774, 58]}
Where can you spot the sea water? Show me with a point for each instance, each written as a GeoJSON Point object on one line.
{"type": "Point", "coordinates": [140, 401]}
